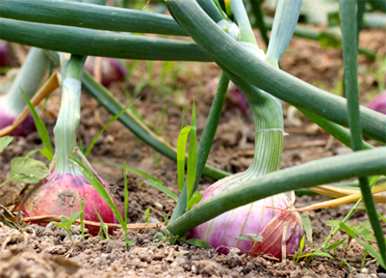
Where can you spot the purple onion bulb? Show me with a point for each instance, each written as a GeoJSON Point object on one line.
{"type": "Point", "coordinates": [61, 195]}
{"type": "Point", "coordinates": [5, 54]}
{"type": "Point", "coordinates": [268, 226]}
{"type": "Point", "coordinates": [7, 117]}
{"type": "Point", "coordinates": [379, 103]}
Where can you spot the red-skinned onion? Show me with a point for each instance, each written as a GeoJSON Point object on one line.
{"type": "Point", "coordinates": [269, 220]}
{"type": "Point", "coordinates": [7, 117]}
{"type": "Point", "coordinates": [5, 54]}
{"type": "Point", "coordinates": [25, 85]}
{"type": "Point", "coordinates": [379, 103]}
{"type": "Point", "coordinates": [239, 99]}
{"type": "Point", "coordinates": [61, 195]}
{"type": "Point", "coordinates": [111, 70]}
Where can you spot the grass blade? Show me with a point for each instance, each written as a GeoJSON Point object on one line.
{"type": "Point", "coordinates": [125, 195]}
{"type": "Point", "coordinates": [48, 149]}
{"type": "Point", "coordinates": [192, 156]}
{"type": "Point", "coordinates": [182, 141]}
{"type": "Point", "coordinates": [95, 181]}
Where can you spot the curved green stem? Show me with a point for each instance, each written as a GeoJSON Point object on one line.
{"type": "Point", "coordinates": [327, 170]}
{"type": "Point", "coordinates": [310, 34]}
{"type": "Point", "coordinates": [105, 98]}
{"type": "Point", "coordinates": [241, 16]}
{"type": "Point", "coordinates": [206, 141]}
{"type": "Point", "coordinates": [339, 132]}
{"type": "Point", "coordinates": [211, 9]}
{"type": "Point", "coordinates": [348, 9]}
{"type": "Point", "coordinates": [286, 17]}
{"type": "Point", "coordinates": [209, 132]}
{"type": "Point", "coordinates": [233, 57]}
{"type": "Point", "coordinates": [82, 41]}
{"type": "Point", "coordinates": [28, 79]}
{"type": "Point", "coordinates": [89, 16]}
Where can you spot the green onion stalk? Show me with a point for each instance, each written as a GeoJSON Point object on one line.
{"type": "Point", "coordinates": [259, 227]}
{"type": "Point", "coordinates": [23, 88]}
{"type": "Point", "coordinates": [278, 83]}
{"type": "Point", "coordinates": [363, 163]}
{"type": "Point", "coordinates": [86, 15]}
{"type": "Point", "coordinates": [234, 59]}
{"type": "Point", "coordinates": [349, 27]}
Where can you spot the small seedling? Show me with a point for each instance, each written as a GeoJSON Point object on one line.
{"type": "Point", "coordinates": [66, 223]}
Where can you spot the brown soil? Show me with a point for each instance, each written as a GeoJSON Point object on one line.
{"type": "Point", "coordinates": [35, 251]}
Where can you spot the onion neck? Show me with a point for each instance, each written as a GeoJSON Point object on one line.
{"type": "Point", "coordinates": [69, 117]}
{"type": "Point", "coordinates": [266, 110]}
{"type": "Point", "coordinates": [267, 115]}
{"type": "Point", "coordinates": [28, 79]}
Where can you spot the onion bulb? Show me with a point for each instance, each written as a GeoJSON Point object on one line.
{"type": "Point", "coordinates": [61, 195]}
{"type": "Point", "coordinates": [26, 83]}
{"type": "Point", "coordinates": [267, 226]}
{"type": "Point", "coordinates": [111, 70]}
{"type": "Point", "coordinates": [5, 54]}
{"type": "Point", "coordinates": [8, 116]}
{"type": "Point", "coordinates": [379, 103]}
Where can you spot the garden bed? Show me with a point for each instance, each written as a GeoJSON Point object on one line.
{"type": "Point", "coordinates": [35, 251]}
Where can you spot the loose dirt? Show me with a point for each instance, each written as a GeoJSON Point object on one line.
{"type": "Point", "coordinates": [35, 251]}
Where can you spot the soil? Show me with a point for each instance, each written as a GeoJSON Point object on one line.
{"type": "Point", "coordinates": [36, 251]}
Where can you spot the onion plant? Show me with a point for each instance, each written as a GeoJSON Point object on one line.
{"type": "Point", "coordinates": [66, 187]}
{"type": "Point", "coordinates": [205, 32]}
{"type": "Point", "coordinates": [252, 210]}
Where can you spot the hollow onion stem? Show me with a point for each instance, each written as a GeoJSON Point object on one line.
{"type": "Point", "coordinates": [89, 16]}
{"type": "Point", "coordinates": [337, 131]}
{"type": "Point", "coordinates": [28, 79]}
{"type": "Point", "coordinates": [105, 98]}
{"type": "Point", "coordinates": [211, 9]}
{"type": "Point", "coordinates": [126, 20]}
{"type": "Point", "coordinates": [209, 132]}
{"type": "Point", "coordinates": [83, 41]}
{"type": "Point", "coordinates": [241, 16]}
{"type": "Point", "coordinates": [69, 117]}
{"type": "Point", "coordinates": [266, 109]}
{"type": "Point", "coordinates": [348, 10]}
{"type": "Point", "coordinates": [282, 30]}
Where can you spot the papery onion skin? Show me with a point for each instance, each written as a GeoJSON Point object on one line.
{"type": "Point", "coordinates": [7, 118]}
{"type": "Point", "coordinates": [111, 70]}
{"type": "Point", "coordinates": [239, 99]}
{"type": "Point", "coordinates": [61, 195]}
{"type": "Point", "coordinates": [267, 219]}
{"type": "Point", "coordinates": [379, 103]}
